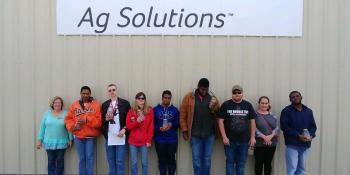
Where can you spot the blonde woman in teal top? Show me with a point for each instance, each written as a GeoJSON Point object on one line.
{"type": "Point", "coordinates": [54, 136]}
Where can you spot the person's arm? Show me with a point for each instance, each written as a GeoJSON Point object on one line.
{"type": "Point", "coordinates": [131, 125]}
{"type": "Point", "coordinates": [276, 130]}
{"type": "Point", "coordinates": [312, 126]}
{"type": "Point", "coordinates": [183, 114]}
{"type": "Point", "coordinates": [252, 132]}
{"type": "Point", "coordinates": [150, 127]}
{"type": "Point", "coordinates": [41, 132]}
{"type": "Point", "coordinates": [225, 139]}
{"type": "Point", "coordinates": [258, 133]}
{"type": "Point", "coordinates": [69, 119]}
{"type": "Point", "coordinates": [285, 125]}
{"type": "Point", "coordinates": [175, 119]}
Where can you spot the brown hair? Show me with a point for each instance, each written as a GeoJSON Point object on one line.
{"type": "Point", "coordinates": [267, 98]}
{"type": "Point", "coordinates": [54, 99]}
{"type": "Point", "coordinates": [145, 107]}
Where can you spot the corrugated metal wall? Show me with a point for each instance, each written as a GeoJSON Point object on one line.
{"type": "Point", "coordinates": [36, 65]}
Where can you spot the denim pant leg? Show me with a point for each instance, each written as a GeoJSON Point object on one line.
{"type": "Point", "coordinates": [302, 157]}
{"type": "Point", "coordinates": [51, 162]}
{"type": "Point", "coordinates": [60, 161]}
{"type": "Point", "coordinates": [120, 159]}
{"type": "Point", "coordinates": [291, 155]}
{"type": "Point", "coordinates": [90, 148]}
{"type": "Point", "coordinates": [144, 159]}
{"type": "Point", "coordinates": [241, 157]}
{"type": "Point", "coordinates": [230, 158]}
{"type": "Point", "coordinates": [197, 155]}
{"type": "Point", "coordinates": [133, 159]}
{"type": "Point", "coordinates": [80, 146]}
{"type": "Point", "coordinates": [110, 154]}
{"type": "Point", "coordinates": [208, 151]}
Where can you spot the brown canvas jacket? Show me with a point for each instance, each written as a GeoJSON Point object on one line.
{"type": "Point", "coordinates": [186, 114]}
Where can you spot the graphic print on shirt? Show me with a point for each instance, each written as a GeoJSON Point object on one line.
{"type": "Point", "coordinates": [79, 111]}
{"type": "Point", "coordinates": [238, 120]}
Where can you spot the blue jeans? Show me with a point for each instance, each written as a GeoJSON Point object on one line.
{"type": "Point", "coordinates": [86, 151]}
{"type": "Point", "coordinates": [55, 162]}
{"type": "Point", "coordinates": [236, 156]}
{"type": "Point", "coordinates": [202, 149]}
{"type": "Point", "coordinates": [133, 158]}
{"type": "Point", "coordinates": [296, 159]}
{"type": "Point", "coordinates": [115, 156]}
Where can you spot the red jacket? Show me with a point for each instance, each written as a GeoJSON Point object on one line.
{"type": "Point", "coordinates": [140, 133]}
{"type": "Point", "coordinates": [92, 114]}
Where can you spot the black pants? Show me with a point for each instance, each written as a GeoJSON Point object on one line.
{"type": "Point", "coordinates": [166, 158]}
{"type": "Point", "coordinates": [263, 158]}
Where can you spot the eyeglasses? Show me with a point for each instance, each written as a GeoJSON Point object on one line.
{"type": "Point", "coordinates": [140, 98]}
{"type": "Point", "coordinates": [110, 90]}
{"type": "Point", "coordinates": [236, 92]}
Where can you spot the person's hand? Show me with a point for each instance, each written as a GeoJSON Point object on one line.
{"type": "Point", "coordinates": [304, 138]}
{"type": "Point", "coordinates": [252, 141]}
{"type": "Point", "coordinates": [76, 126]}
{"type": "Point", "coordinates": [226, 141]}
{"type": "Point", "coordinates": [81, 121]}
{"type": "Point", "coordinates": [185, 135]}
{"type": "Point", "coordinates": [109, 116]}
{"type": "Point", "coordinates": [165, 127]}
{"type": "Point", "coordinates": [70, 144]}
{"type": "Point", "coordinates": [140, 119]}
{"type": "Point", "coordinates": [268, 139]}
{"type": "Point", "coordinates": [148, 145]}
{"type": "Point", "coordinates": [122, 132]}
{"type": "Point", "coordinates": [39, 144]}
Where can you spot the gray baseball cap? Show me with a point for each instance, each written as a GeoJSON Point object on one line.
{"type": "Point", "coordinates": [237, 87]}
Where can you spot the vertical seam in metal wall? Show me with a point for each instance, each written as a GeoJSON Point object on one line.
{"type": "Point", "coordinates": [17, 81]}
{"type": "Point", "coordinates": [338, 88]}
{"type": "Point", "coordinates": [321, 90]}
{"type": "Point", "coordinates": [2, 57]}
{"type": "Point", "coordinates": [34, 87]}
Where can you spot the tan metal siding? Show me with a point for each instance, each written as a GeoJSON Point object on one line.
{"type": "Point", "coordinates": [36, 64]}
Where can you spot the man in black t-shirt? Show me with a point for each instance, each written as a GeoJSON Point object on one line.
{"type": "Point", "coordinates": [237, 127]}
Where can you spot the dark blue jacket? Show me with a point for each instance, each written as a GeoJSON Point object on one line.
{"type": "Point", "coordinates": [293, 122]}
{"type": "Point", "coordinates": [172, 115]}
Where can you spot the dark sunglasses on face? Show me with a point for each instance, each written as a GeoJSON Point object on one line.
{"type": "Point", "coordinates": [140, 98]}
{"type": "Point", "coordinates": [110, 90]}
{"type": "Point", "coordinates": [236, 92]}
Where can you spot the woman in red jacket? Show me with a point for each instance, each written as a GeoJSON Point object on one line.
{"type": "Point", "coordinates": [139, 121]}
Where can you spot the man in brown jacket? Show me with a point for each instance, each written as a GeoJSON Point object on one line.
{"type": "Point", "coordinates": [198, 124]}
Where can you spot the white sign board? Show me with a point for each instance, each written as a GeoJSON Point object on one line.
{"type": "Point", "coordinates": [180, 17]}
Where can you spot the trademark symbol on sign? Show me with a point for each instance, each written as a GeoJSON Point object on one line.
{"type": "Point", "coordinates": [230, 14]}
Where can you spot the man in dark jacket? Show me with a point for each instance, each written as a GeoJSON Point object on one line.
{"type": "Point", "coordinates": [299, 128]}
{"type": "Point", "coordinates": [114, 113]}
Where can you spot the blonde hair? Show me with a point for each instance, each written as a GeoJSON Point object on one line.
{"type": "Point", "coordinates": [145, 106]}
{"type": "Point", "coordinates": [54, 99]}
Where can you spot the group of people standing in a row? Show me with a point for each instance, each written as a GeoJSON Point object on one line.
{"type": "Point", "coordinates": [201, 119]}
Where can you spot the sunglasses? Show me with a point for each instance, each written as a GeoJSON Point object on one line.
{"type": "Point", "coordinates": [236, 92]}
{"type": "Point", "coordinates": [111, 90]}
{"type": "Point", "coordinates": [140, 98]}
